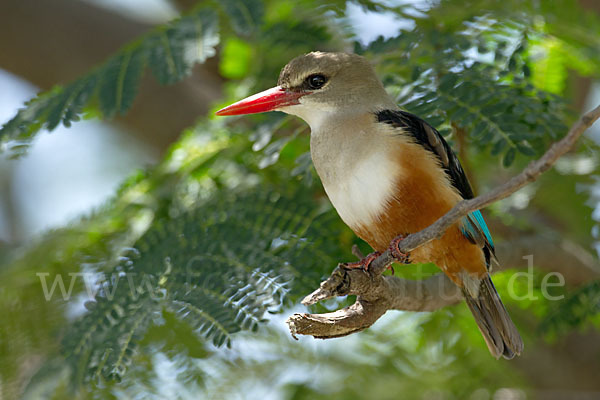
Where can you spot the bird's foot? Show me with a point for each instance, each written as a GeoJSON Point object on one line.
{"type": "Point", "coordinates": [364, 263]}
{"type": "Point", "coordinates": [395, 250]}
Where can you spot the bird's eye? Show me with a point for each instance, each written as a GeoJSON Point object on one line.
{"type": "Point", "coordinates": [316, 81]}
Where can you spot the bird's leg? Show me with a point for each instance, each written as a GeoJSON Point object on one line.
{"type": "Point", "coordinates": [395, 250]}
{"type": "Point", "coordinates": [364, 263]}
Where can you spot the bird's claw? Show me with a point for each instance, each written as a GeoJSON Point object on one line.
{"type": "Point", "coordinates": [363, 263]}
{"type": "Point", "coordinates": [400, 256]}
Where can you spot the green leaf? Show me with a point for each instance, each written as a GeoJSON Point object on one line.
{"type": "Point", "coordinates": [246, 15]}
{"type": "Point", "coordinates": [175, 50]}
{"type": "Point", "coordinates": [498, 147]}
{"type": "Point", "coordinates": [120, 81]}
{"type": "Point", "coordinates": [509, 157]}
{"type": "Point", "coordinates": [61, 103]}
{"type": "Point", "coordinates": [17, 133]}
{"type": "Point", "coordinates": [525, 148]}
{"type": "Point", "coordinates": [479, 129]}
{"type": "Point", "coordinates": [416, 73]}
{"type": "Point", "coordinates": [78, 102]}
{"type": "Point", "coordinates": [447, 82]}
{"type": "Point", "coordinates": [550, 70]}
{"type": "Point", "coordinates": [487, 137]}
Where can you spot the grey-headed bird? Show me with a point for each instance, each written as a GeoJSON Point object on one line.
{"type": "Point", "coordinates": [388, 173]}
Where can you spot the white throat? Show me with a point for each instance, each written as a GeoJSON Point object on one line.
{"type": "Point", "coordinates": [315, 117]}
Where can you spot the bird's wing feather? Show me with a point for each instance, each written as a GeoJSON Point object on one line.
{"type": "Point", "coordinates": [473, 226]}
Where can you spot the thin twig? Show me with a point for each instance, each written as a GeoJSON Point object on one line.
{"type": "Point", "coordinates": [357, 253]}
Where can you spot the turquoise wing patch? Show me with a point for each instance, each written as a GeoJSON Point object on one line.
{"type": "Point", "coordinates": [475, 229]}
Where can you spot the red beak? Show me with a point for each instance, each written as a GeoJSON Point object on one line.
{"type": "Point", "coordinates": [268, 100]}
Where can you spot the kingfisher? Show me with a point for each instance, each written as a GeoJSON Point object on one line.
{"type": "Point", "coordinates": [388, 173]}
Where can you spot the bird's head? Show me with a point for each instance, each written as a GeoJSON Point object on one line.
{"type": "Point", "coordinates": [317, 85]}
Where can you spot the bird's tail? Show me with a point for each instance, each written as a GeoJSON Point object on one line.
{"type": "Point", "coordinates": [498, 330]}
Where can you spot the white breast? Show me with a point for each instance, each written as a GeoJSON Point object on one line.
{"type": "Point", "coordinates": [351, 154]}
{"type": "Point", "coordinates": [360, 195]}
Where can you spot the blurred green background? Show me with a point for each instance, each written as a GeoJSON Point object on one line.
{"type": "Point", "coordinates": [151, 250]}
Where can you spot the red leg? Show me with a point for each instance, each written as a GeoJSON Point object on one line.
{"type": "Point", "coordinates": [395, 250]}
{"type": "Point", "coordinates": [364, 263]}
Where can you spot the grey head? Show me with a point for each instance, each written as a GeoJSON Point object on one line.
{"type": "Point", "coordinates": [336, 83]}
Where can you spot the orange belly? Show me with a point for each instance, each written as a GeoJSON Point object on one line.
{"type": "Point", "coordinates": [422, 194]}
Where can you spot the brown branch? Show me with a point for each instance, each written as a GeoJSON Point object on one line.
{"type": "Point", "coordinates": [376, 293]}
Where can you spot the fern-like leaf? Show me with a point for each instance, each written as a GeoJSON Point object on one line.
{"type": "Point", "coordinates": [172, 51]}
{"type": "Point", "coordinates": [219, 268]}
{"type": "Point", "coordinates": [175, 50]}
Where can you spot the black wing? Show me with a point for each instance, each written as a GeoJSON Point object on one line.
{"type": "Point", "coordinates": [428, 137]}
